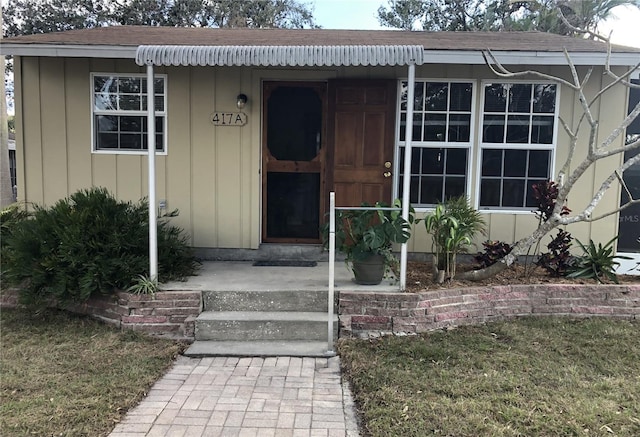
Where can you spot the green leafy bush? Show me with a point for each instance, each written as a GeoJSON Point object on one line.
{"type": "Point", "coordinates": [453, 226]}
{"type": "Point", "coordinates": [361, 233]}
{"type": "Point", "coordinates": [9, 219]}
{"type": "Point", "coordinates": [89, 243]}
{"type": "Point", "coordinates": [596, 262]}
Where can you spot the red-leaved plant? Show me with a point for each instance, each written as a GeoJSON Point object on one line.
{"type": "Point", "coordinates": [546, 194]}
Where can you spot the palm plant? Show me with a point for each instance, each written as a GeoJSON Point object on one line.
{"type": "Point", "coordinates": [453, 226]}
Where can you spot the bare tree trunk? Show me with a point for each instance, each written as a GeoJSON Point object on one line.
{"type": "Point", "coordinates": [6, 190]}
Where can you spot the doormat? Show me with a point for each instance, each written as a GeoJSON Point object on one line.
{"type": "Point", "coordinates": [284, 263]}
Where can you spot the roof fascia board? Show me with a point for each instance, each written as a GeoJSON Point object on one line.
{"type": "Point", "coordinates": [70, 51]}
{"type": "Point", "coordinates": [528, 58]}
{"type": "Point", "coordinates": [430, 56]}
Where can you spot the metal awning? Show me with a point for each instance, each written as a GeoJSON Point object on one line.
{"type": "Point", "coordinates": [280, 56]}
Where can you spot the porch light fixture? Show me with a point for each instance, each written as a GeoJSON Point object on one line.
{"type": "Point", "coordinates": [241, 101]}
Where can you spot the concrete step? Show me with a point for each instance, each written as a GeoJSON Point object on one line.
{"type": "Point", "coordinates": [262, 325]}
{"type": "Point", "coordinates": [201, 349]}
{"type": "Point", "coordinates": [244, 300]}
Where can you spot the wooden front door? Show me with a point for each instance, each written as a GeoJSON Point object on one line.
{"type": "Point", "coordinates": [293, 157]}
{"type": "Point", "coordinates": [360, 130]}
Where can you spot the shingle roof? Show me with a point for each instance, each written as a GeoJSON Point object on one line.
{"type": "Point", "coordinates": [145, 35]}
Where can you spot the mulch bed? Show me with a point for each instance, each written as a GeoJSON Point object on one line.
{"type": "Point", "coordinates": [420, 277]}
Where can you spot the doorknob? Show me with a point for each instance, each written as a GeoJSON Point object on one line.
{"type": "Point", "coordinates": [387, 164]}
{"type": "Point", "coordinates": [386, 174]}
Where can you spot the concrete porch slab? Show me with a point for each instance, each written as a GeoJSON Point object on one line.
{"type": "Point", "coordinates": [243, 276]}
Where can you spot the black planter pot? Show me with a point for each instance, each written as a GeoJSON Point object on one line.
{"type": "Point", "coordinates": [369, 271]}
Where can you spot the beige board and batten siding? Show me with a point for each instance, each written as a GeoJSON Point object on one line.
{"type": "Point", "coordinates": [212, 174]}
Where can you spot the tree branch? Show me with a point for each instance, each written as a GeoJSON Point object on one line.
{"type": "Point", "coordinates": [585, 215]}
{"type": "Point", "coordinates": [501, 71]}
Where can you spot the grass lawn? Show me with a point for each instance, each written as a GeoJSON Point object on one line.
{"type": "Point", "coordinates": [67, 375]}
{"type": "Point", "coordinates": [529, 377]}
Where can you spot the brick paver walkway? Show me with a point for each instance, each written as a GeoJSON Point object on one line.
{"type": "Point", "coordinates": [277, 397]}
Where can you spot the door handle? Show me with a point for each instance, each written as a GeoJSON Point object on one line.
{"type": "Point", "coordinates": [386, 174]}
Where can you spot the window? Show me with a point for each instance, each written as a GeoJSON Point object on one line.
{"type": "Point", "coordinates": [441, 139]}
{"type": "Point", "coordinates": [120, 113]}
{"type": "Point", "coordinates": [517, 142]}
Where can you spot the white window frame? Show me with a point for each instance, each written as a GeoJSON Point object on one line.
{"type": "Point", "coordinates": [142, 113]}
{"type": "Point", "coordinates": [435, 144]}
{"type": "Point", "coordinates": [552, 147]}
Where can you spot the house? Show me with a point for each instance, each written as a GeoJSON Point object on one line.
{"type": "Point", "coordinates": [254, 127]}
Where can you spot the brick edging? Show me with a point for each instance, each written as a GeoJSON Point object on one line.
{"type": "Point", "coordinates": [163, 313]}
{"type": "Point", "coordinates": [365, 313]}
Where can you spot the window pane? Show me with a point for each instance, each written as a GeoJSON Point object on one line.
{"type": "Point", "coordinates": [415, 160]}
{"type": "Point", "coordinates": [495, 98]}
{"type": "Point", "coordinates": [105, 84]}
{"type": "Point", "coordinates": [542, 130]}
{"type": "Point", "coordinates": [493, 131]}
{"type": "Point", "coordinates": [129, 102]}
{"type": "Point", "coordinates": [457, 161]}
{"type": "Point", "coordinates": [158, 86]}
{"type": "Point", "coordinates": [418, 96]}
{"type": "Point", "coordinates": [490, 192]}
{"type": "Point", "coordinates": [531, 201]}
{"type": "Point", "coordinates": [403, 96]}
{"type": "Point", "coordinates": [131, 124]}
{"type": "Point", "coordinates": [437, 94]}
{"type": "Point", "coordinates": [513, 193]}
{"type": "Point", "coordinates": [491, 162]}
{"type": "Point", "coordinates": [131, 141]}
{"type": "Point", "coordinates": [435, 127]}
{"type": "Point", "coordinates": [416, 135]}
{"type": "Point", "coordinates": [106, 102]}
{"type": "Point", "coordinates": [159, 125]}
{"type": "Point", "coordinates": [106, 123]}
{"type": "Point", "coordinates": [539, 163]}
{"type": "Point", "coordinates": [544, 98]}
{"type": "Point", "coordinates": [460, 97]}
{"type": "Point", "coordinates": [454, 187]}
{"type": "Point", "coordinates": [520, 98]}
{"type": "Point", "coordinates": [129, 85]}
{"type": "Point", "coordinates": [403, 126]}
{"type": "Point", "coordinates": [431, 190]}
{"type": "Point", "coordinates": [159, 103]}
{"type": "Point", "coordinates": [432, 161]}
{"type": "Point", "coordinates": [414, 185]}
{"type": "Point", "coordinates": [106, 141]}
{"type": "Point", "coordinates": [518, 129]}
{"type": "Point", "coordinates": [515, 163]}
{"type": "Point", "coordinates": [459, 127]}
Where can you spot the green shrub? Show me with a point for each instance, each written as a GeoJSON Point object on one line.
{"type": "Point", "coordinates": [9, 219]}
{"type": "Point", "coordinates": [90, 243]}
{"type": "Point", "coordinates": [453, 226]}
{"type": "Point", "coordinates": [596, 262]}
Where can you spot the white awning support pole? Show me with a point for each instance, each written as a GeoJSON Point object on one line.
{"type": "Point", "coordinates": [151, 149]}
{"type": "Point", "coordinates": [332, 272]}
{"type": "Point", "coordinates": [406, 166]}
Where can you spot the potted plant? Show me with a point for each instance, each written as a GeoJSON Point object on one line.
{"type": "Point", "coordinates": [366, 237]}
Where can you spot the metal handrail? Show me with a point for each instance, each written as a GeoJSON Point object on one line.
{"type": "Point", "coordinates": [332, 257]}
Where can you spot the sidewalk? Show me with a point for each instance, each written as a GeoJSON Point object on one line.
{"type": "Point", "coordinates": [221, 396]}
